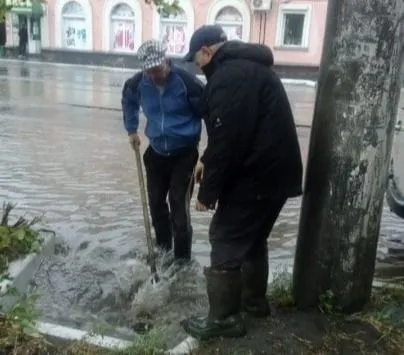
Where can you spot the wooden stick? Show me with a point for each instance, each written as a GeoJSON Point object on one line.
{"type": "Point", "coordinates": [143, 198]}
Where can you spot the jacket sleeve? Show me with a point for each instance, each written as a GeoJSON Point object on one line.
{"type": "Point", "coordinates": [130, 104]}
{"type": "Point", "coordinates": [227, 103]}
{"type": "Point", "coordinates": [195, 89]}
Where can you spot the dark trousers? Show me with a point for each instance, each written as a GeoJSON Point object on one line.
{"type": "Point", "coordinates": [239, 231]}
{"type": "Point", "coordinates": [22, 48]}
{"type": "Point", "coordinates": [171, 176]}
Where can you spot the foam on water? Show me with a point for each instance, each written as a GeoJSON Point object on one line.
{"type": "Point", "coordinates": [152, 295]}
{"type": "Point", "coordinates": [179, 293]}
{"type": "Point", "coordinates": [173, 285]}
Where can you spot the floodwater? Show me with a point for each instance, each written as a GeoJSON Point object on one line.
{"type": "Point", "coordinates": [64, 154]}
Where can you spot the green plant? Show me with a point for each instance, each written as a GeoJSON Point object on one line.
{"type": "Point", "coordinates": [24, 315]}
{"type": "Point", "coordinates": [17, 239]}
{"type": "Point", "coordinates": [17, 326]}
{"type": "Point", "coordinates": [4, 8]}
{"type": "Point", "coordinates": [100, 330]}
{"type": "Point", "coordinates": [280, 290]}
{"type": "Point", "coordinates": [326, 302]}
{"type": "Point", "coordinates": [166, 6]}
{"type": "Point", "coordinates": [152, 343]}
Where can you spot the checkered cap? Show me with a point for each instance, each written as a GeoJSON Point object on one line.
{"type": "Point", "coordinates": [152, 53]}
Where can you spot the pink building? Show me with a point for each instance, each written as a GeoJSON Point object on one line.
{"type": "Point", "coordinates": [293, 28]}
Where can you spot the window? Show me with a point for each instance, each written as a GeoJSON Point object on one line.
{"type": "Point", "coordinates": [234, 16]}
{"type": "Point", "coordinates": [174, 32]}
{"type": "Point", "coordinates": [293, 26]}
{"type": "Point", "coordinates": [122, 28]}
{"type": "Point", "coordinates": [231, 21]}
{"type": "Point", "coordinates": [74, 26]}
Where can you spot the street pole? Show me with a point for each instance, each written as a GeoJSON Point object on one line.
{"type": "Point", "coordinates": [356, 108]}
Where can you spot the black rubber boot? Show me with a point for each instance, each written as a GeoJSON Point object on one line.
{"type": "Point", "coordinates": [182, 247]}
{"type": "Point", "coordinates": [255, 280]}
{"type": "Point", "coordinates": [224, 318]}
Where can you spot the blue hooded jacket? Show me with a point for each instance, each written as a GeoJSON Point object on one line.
{"type": "Point", "coordinates": [173, 113]}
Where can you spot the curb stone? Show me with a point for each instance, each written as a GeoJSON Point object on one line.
{"type": "Point", "coordinates": [185, 347]}
{"type": "Point", "coordinates": [61, 333]}
{"type": "Point", "coordinates": [22, 270]}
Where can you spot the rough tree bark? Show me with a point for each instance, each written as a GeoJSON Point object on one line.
{"type": "Point", "coordinates": [351, 140]}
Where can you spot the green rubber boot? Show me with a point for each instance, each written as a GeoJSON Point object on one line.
{"type": "Point", "coordinates": [224, 318]}
{"type": "Point", "coordinates": [255, 280]}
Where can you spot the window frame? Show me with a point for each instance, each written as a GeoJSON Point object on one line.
{"type": "Point", "coordinates": [286, 9]}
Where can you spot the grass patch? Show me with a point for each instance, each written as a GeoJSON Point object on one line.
{"type": "Point", "coordinates": [149, 344]}
{"type": "Point", "coordinates": [152, 343]}
{"type": "Point", "coordinates": [17, 327]}
{"type": "Point", "coordinates": [280, 290]}
{"type": "Point", "coordinates": [16, 239]}
{"type": "Point", "coordinates": [385, 314]}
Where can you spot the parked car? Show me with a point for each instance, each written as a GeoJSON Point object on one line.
{"type": "Point", "coordinates": [395, 187]}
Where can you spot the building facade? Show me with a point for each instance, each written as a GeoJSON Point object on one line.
{"type": "Point", "coordinates": [294, 29]}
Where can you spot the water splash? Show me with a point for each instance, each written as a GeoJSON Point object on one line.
{"type": "Point", "coordinates": [180, 293]}
{"type": "Point", "coordinates": [176, 283]}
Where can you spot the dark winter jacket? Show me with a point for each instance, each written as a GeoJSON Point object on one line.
{"type": "Point", "coordinates": [23, 34]}
{"type": "Point", "coordinates": [253, 151]}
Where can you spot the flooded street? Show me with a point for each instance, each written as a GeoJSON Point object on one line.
{"type": "Point", "coordinates": [64, 154]}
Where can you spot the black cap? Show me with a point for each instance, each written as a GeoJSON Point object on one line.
{"type": "Point", "coordinates": [204, 36]}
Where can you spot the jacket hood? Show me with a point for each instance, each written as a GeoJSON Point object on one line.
{"type": "Point", "coordinates": [257, 53]}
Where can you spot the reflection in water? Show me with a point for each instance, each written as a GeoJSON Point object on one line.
{"type": "Point", "coordinates": [75, 165]}
{"type": "Point", "coordinates": [24, 72]}
{"type": "Point", "coordinates": [4, 91]}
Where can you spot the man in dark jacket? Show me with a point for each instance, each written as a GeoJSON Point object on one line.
{"type": "Point", "coordinates": [170, 98]}
{"type": "Point", "coordinates": [251, 166]}
{"type": "Point", "coordinates": [23, 40]}
{"type": "Point", "coordinates": [3, 36]}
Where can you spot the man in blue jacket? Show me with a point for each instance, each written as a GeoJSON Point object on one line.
{"type": "Point", "coordinates": [171, 101]}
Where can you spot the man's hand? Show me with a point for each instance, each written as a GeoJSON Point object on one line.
{"type": "Point", "coordinates": [134, 140]}
{"type": "Point", "coordinates": [199, 172]}
{"type": "Point", "coordinates": [200, 207]}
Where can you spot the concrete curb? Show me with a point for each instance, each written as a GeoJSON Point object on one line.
{"type": "Point", "coordinates": [60, 332]}
{"type": "Point", "coordinates": [185, 347]}
{"type": "Point", "coordinates": [378, 284]}
{"type": "Point", "coordinates": [302, 82]}
{"type": "Point", "coordinates": [63, 333]}
{"type": "Point", "coordinates": [21, 272]}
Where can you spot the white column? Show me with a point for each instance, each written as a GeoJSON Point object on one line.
{"type": "Point", "coordinates": [45, 28]}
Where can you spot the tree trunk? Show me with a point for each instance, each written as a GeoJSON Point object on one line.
{"type": "Point", "coordinates": [350, 147]}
